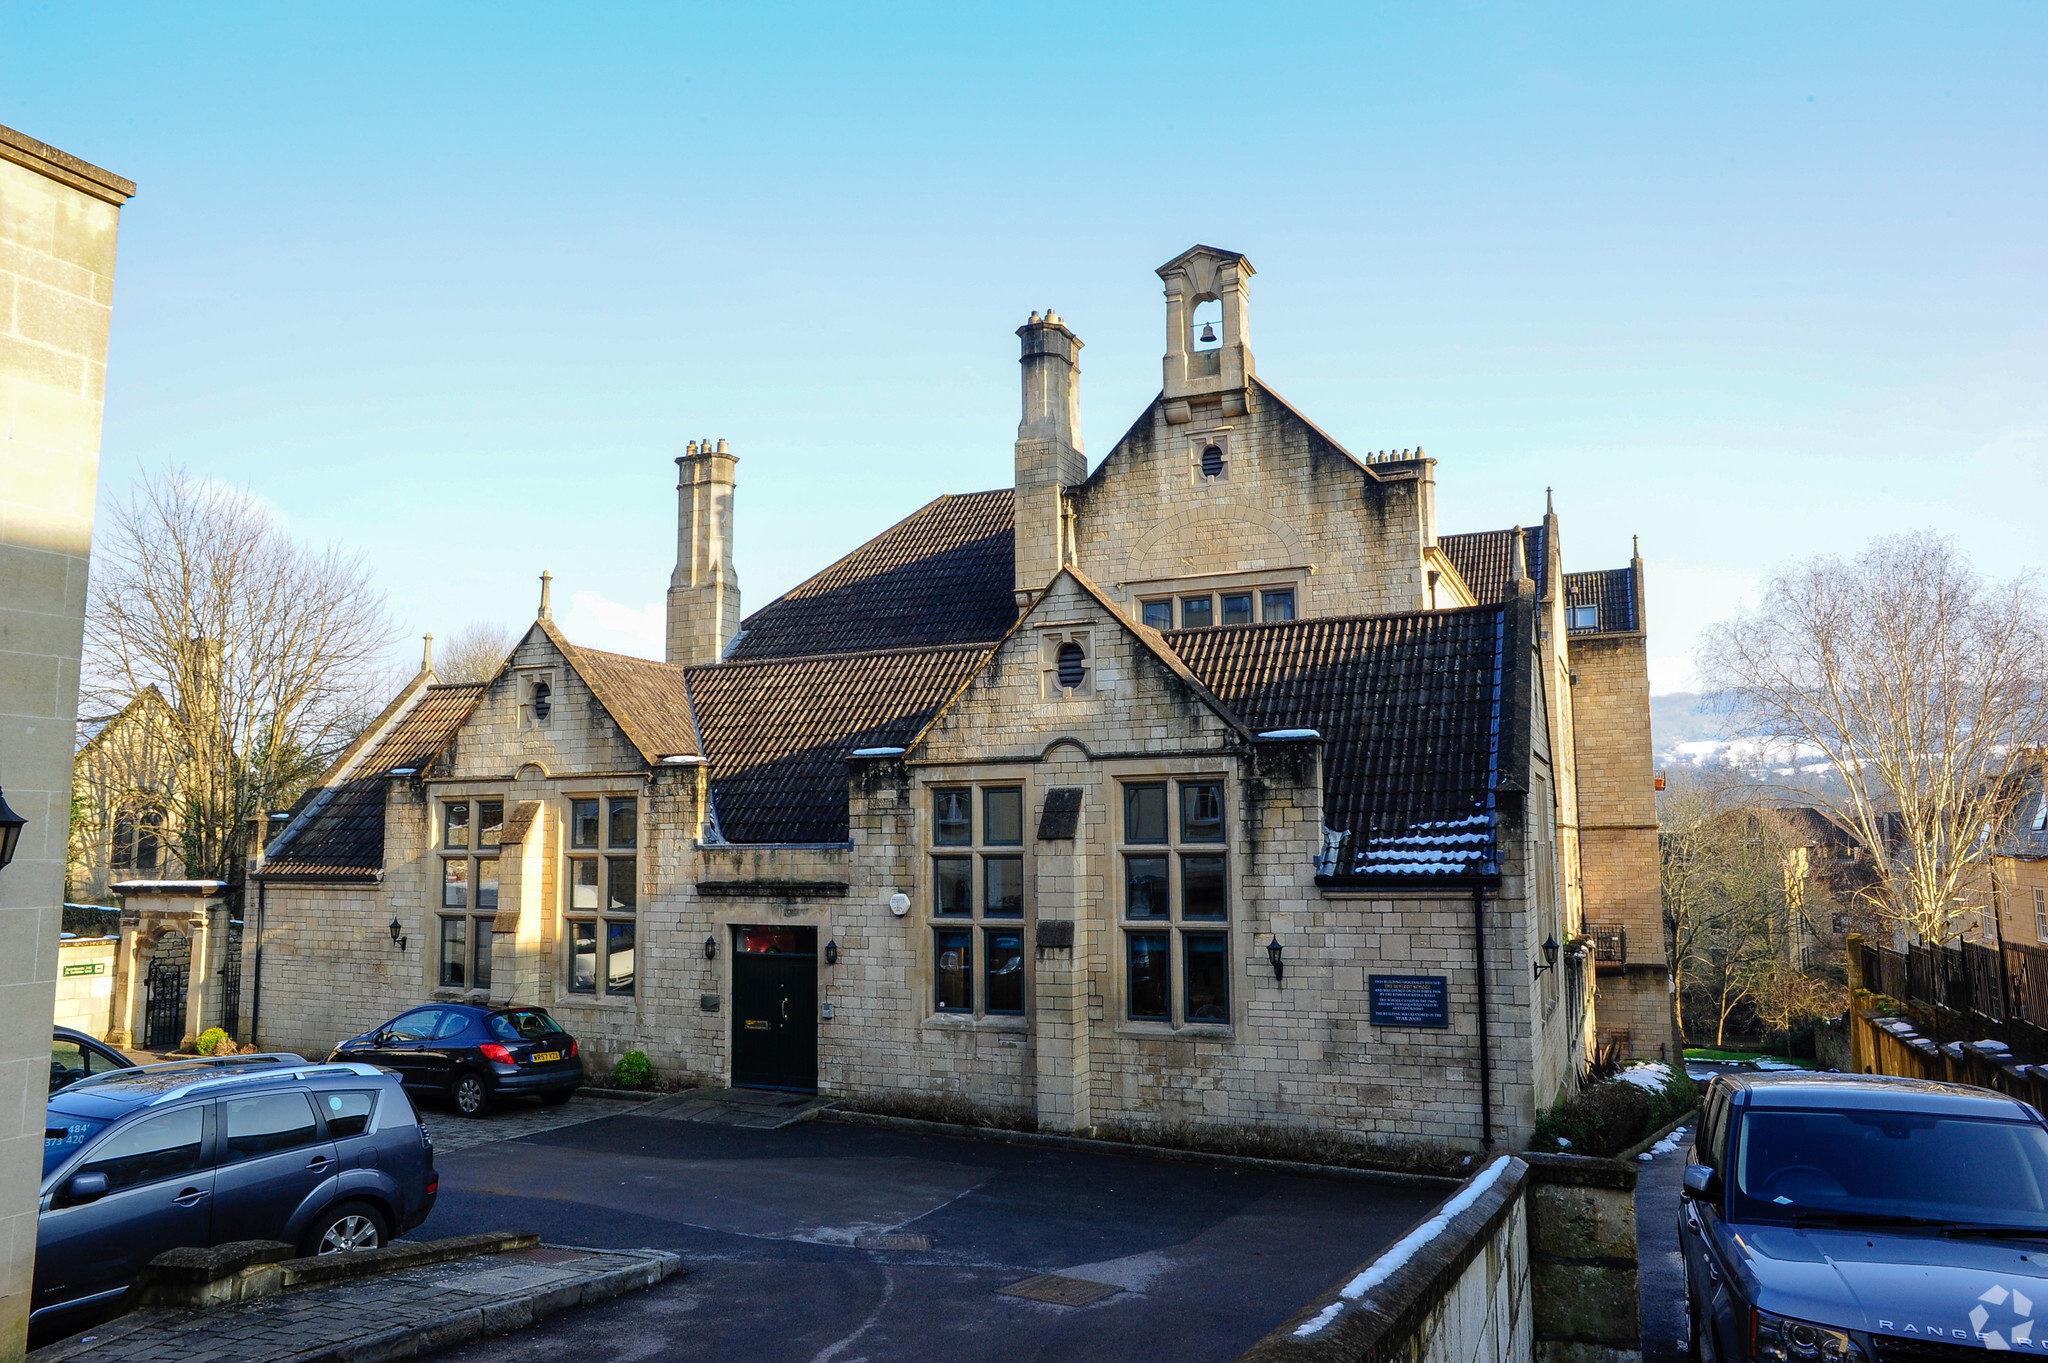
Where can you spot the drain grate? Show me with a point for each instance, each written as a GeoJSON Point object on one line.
{"type": "Point", "coordinates": [1059, 1291]}
{"type": "Point", "coordinates": [892, 1242]}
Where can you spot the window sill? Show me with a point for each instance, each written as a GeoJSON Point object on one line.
{"type": "Point", "coordinates": [967, 1022]}
{"type": "Point", "coordinates": [1193, 1031]}
{"type": "Point", "coordinates": [569, 1000]}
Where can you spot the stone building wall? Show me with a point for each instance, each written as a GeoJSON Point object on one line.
{"type": "Point", "coordinates": [1618, 833]}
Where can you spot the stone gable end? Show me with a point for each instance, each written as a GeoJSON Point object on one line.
{"type": "Point", "coordinates": [502, 733]}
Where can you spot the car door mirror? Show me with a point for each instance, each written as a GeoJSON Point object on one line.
{"type": "Point", "coordinates": [85, 1188]}
{"type": "Point", "coordinates": [1702, 1181]}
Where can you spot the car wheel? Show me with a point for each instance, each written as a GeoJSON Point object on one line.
{"type": "Point", "coordinates": [557, 1099]}
{"type": "Point", "coordinates": [470, 1096]}
{"type": "Point", "coordinates": [346, 1226]}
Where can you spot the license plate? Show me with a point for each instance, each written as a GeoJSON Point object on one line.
{"type": "Point", "coordinates": [543, 1057]}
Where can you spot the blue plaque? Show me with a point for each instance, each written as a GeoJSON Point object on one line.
{"type": "Point", "coordinates": [1410, 1000]}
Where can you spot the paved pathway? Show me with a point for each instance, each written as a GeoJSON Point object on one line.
{"type": "Point", "coordinates": [1662, 1275]}
{"type": "Point", "coordinates": [522, 1117]}
{"type": "Point", "coordinates": [760, 1109]}
{"type": "Point", "coordinates": [390, 1315]}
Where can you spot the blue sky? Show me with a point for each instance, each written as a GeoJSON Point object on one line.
{"type": "Point", "coordinates": [453, 284]}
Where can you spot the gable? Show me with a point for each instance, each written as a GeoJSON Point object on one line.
{"type": "Point", "coordinates": [581, 732]}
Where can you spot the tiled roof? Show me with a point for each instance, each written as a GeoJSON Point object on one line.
{"type": "Point", "coordinates": [1481, 558]}
{"type": "Point", "coordinates": [778, 732]}
{"type": "Point", "coordinates": [650, 701]}
{"type": "Point", "coordinates": [945, 575]}
{"type": "Point", "coordinates": [1409, 709]}
{"type": "Point", "coordinates": [342, 833]}
{"type": "Point", "coordinates": [2028, 838]}
{"type": "Point", "coordinates": [1610, 589]}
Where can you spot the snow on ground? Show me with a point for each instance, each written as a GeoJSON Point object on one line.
{"type": "Point", "coordinates": [1764, 1062]}
{"type": "Point", "coordinates": [1670, 1145]}
{"type": "Point", "coordinates": [1647, 1074]}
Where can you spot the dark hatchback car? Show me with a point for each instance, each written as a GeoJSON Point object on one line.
{"type": "Point", "coordinates": [1863, 1219]}
{"type": "Point", "coordinates": [75, 1056]}
{"type": "Point", "coordinates": [264, 1147]}
{"type": "Point", "coordinates": [475, 1056]}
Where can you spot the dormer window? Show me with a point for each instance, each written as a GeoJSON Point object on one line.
{"type": "Point", "coordinates": [1583, 617]}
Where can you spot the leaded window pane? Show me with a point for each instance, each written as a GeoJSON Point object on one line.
{"type": "Point", "coordinates": [1204, 889]}
{"type": "Point", "coordinates": [623, 824]}
{"type": "Point", "coordinates": [583, 958]}
{"type": "Point", "coordinates": [952, 817]}
{"type": "Point", "coordinates": [953, 885]}
{"type": "Point", "coordinates": [953, 970]}
{"type": "Point", "coordinates": [583, 823]}
{"type": "Point", "coordinates": [1197, 612]}
{"type": "Point", "coordinates": [1201, 811]}
{"type": "Point", "coordinates": [583, 884]}
{"type": "Point", "coordinates": [487, 883]}
{"type": "Point", "coordinates": [1003, 985]}
{"type": "Point", "coordinates": [618, 956]}
{"type": "Point", "coordinates": [490, 822]}
{"type": "Point", "coordinates": [619, 887]}
{"type": "Point", "coordinates": [1276, 606]}
{"type": "Point", "coordinates": [1237, 608]}
{"type": "Point", "coordinates": [1002, 817]}
{"type": "Point", "coordinates": [1002, 887]}
{"type": "Point", "coordinates": [454, 951]}
{"type": "Point", "coordinates": [1159, 614]}
{"type": "Point", "coordinates": [1145, 887]}
{"type": "Point", "coordinates": [1145, 813]}
{"type": "Point", "coordinates": [455, 882]}
{"type": "Point", "coordinates": [1207, 977]}
{"type": "Point", "coordinates": [455, 825]}
{"type": "Point", "coordinates": [1148, 977]}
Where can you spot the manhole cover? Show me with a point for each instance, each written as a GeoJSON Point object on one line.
{"type": "Point", "coordinates": [1051, 1287]}
{"type": "Point", "coordinates": [892, 1242]}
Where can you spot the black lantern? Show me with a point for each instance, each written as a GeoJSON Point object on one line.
{"type": "Point", "coordinates": [398, 934]}
{"type": "Point", "coordinates": [1273, 954]}
{"type": "Point", "coordinates": [11, 825]}
{"type": "Point", "coordinates": [1549, 961]}
{"type": "Point", "coordinates": [710, 948]}
{"type": "Point", "coordinates": [831, 953]}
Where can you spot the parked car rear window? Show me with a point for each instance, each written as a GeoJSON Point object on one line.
{"type": "Point", "coordinates": [265, 1124]}
{"type": "Point", "coordinates": [348, 1114]}
{"type": "Point", "coordinates": [162, 1146]}
{"type": "Point", "coordinates": [1893, 1163]}
{"type": "Point", "coordinates": [64, 1134]}
{"type": "Point", "coordinates": [525, 1025]}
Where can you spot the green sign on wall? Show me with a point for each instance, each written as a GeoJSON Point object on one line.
{"type": "Point", "coordinates": [88, 968]}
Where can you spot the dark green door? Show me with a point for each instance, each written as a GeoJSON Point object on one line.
{"type": "Point", "coordinates": [775, 1008]}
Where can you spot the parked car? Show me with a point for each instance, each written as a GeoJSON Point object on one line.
{"type": "Point", "coordinates": [475, 1056]}
{"type": "Point", "coordinates": [75, 1056]}
{"type": "Point", "coordinates": [1837, 1218]}
{"type": "Point", "coordinates": [266, 1147]}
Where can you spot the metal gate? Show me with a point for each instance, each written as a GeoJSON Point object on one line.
{"type": "Point", "coordinates": [231, 983]}
{"type": "Point", "coordinates": [164, 998]}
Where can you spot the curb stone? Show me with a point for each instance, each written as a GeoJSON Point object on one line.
{"type": "Point", "coordinates": [1446, 1182]}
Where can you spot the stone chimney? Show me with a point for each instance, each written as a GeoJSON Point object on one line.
{"type": "Point", "coordinates": [703, 592]}
{"type": "Point", "coordinates": [1049, 455]}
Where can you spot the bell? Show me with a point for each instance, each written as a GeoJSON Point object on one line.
{"type": "Point", "coordinates": [1208, 331]}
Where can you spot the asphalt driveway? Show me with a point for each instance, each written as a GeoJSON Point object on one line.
{"type": "Point", "coordinates": [1208, 1260]}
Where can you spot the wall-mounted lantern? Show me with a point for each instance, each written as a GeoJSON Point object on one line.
{"type": "Point", "coordinates": [1549, 961]}
{"type": "Point", "coordinates": [832, 953]}
{"type": "Point", "coordinates": [1273, 954]}
{"type": "Point", "coordinates": [710, 948]}
{"type": "Point", "coordinates": [11, 825]}
{"type": "Point", "coordinates": [899, 903]}
{"type": "Point", "coordinates": [398, 934]}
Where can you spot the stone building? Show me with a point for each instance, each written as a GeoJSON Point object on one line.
{"type": "Point", "coordinates": [59, 217]}
{"type": "Point", "coordinates": [125, 790]}
{"type": "Point", "coordinates": [1208, 786]}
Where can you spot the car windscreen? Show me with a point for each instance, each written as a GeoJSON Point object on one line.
{"type": "Point", "coordinates": [525, 1025]}
{"type": "Point", "coordinates": [1791, 1163]}
{"type": "Point", "coordinates": [64, 1133]}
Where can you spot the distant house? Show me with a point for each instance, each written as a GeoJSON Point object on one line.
{"type": "Point", "coordinates": [125, 798]}
{"type": "Point", "coordinates": [1211, 785]}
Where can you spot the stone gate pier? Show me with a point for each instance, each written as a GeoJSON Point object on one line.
{"type": "Point", "coordinates": [172, 964]}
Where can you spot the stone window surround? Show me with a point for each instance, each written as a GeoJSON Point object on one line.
{"type": "Point", "coordinates": [1254, 580]}
{"type": "Point", "coordinates": [1116, 989]}
{"type": "Point", "coordinates": [1050, 638]}
{"type": "Point", "coordinates": [977, 923]}
{"type": "Point", "coordinates": [462, 793]}
{"type": "Point", "coordinates": [562, 800]}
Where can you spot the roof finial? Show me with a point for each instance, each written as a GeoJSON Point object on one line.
{"type": "Point", "coordinates": [1549, 507]}
{"type": "Point", "coordinates": [1635, 546]}
{"type": "Point", "coordinates": [427, 655]}
{"type": "Point", "coordinates": [547, 582]}
{"type": "Point", "coordinates": [1518, 557]}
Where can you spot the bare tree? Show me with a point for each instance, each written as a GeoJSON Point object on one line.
{"type": "Point", "coordinates": [1920, 683]}
{"type": "Point", "coordinates": [259, 645]}
{"type": "Point", "coordinates": [474, 653]}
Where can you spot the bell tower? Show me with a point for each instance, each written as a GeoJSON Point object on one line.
{"type": "Point", "coordinates": [1208, 352]}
